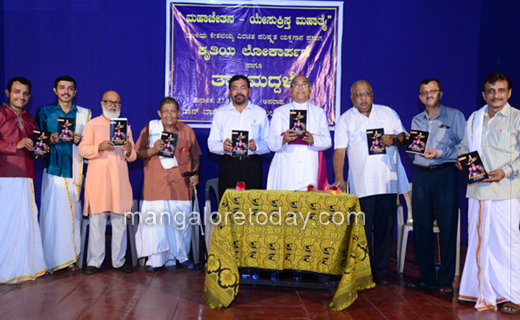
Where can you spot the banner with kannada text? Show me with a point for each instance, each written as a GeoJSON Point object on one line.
{"type": "Point", "coordinates": [208, 43]}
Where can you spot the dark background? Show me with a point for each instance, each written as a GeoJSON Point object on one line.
{"type": "Point", "coordinates": [120, 45]}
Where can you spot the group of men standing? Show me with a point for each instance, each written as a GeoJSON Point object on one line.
{"type": "Point", "coordinates": [494, 211]}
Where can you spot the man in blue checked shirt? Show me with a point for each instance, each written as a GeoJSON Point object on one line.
{"type": "Point", "coordinates": [435, 192]}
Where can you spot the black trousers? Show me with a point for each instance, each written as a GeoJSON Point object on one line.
{"type": "Point", "coordinates": [232, 171]}
{"type": "Point", "coordinates": [435, 195]}
{"type": "Point", "coordinates": [379, 213]}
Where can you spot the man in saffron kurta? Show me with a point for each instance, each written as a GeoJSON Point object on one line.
{"type": "Point", "coordinates": [60, 213]}
{"type": "Point", "coordinates": [107, 186]}
{"type": "Point", "coordinates": [21, 252]}
{"type": "Point", "coordinates": [164, 238]}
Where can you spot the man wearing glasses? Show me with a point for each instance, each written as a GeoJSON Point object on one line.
{"type": "Point", "coordinates": [239, 114]}
{"type": "Point", "coordinates": [435, 188]}
{"type": "Point", "coordinates": [60, 214]}
{"type": "Point", "coordinates": [491, 274]}
{"type": "Point", "coordinates": [376, 179]}
{"type": "Point", "coordinates": [107, 187]}
{"type": "Point", "coordinates": [296, 161]}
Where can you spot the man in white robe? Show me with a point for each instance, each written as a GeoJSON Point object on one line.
{"type": "Point", "coordinates": [296, 162]}
{"type": "Point", "coordinates": [491, 273]}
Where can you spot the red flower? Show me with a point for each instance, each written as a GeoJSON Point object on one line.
{"type": "Point", "coordinates": [241, 186]}
{"type": "Point", "coordinates": [184, 149]}
{"type": "Point", "coordinates": [335, 190]}
{"type": "Point", "coordinates": [311, 187]}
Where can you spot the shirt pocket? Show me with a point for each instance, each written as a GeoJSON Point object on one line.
{"type": "Point", "coordinates": [502, 141]}
{"type": "Point", "coordinates": [184, 155]}
{"type": "Point", "coordinates": [442, 136]}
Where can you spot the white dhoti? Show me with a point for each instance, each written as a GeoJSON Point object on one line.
{"type": "Point", "coordinates": [491, 273]}
{"type": "Point", "coordinates": [96, 239]}
{"type": "Point", "coordinates": [21, 252]}
{"type": "Point", "coordinates": [60, 220]}
{"type": "Point", "coordinates": [164, 232]}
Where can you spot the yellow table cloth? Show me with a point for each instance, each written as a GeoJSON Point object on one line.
{"type": "Point", "coordinates": [308, 237]}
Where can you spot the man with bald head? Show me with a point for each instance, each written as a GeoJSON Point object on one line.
{"type": "Point", "coordinates": [296, 161]}
{"type": "Point", "coordinates": [375, 179]}
{"type": "Point", "coordinates": [107, 187]}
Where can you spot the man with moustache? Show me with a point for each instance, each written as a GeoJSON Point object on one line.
{"type": "Point", "coordinates": [491, 274]}
{"type": "Point", "coordinates": [375, 179]}
{"type": "Point", "coordinates": [435, 188]}
{"type": "Point", "coordinates": [107, 186]}
{"type": "Point", "coordinates": [239, 114]}
{"type": "Point", "coordinates": [167, 190]}
{"type": "Point", "coordinates": [21, 252]}
{"type": "Point", "coordinates": [60, 213]}
{"type": "Point", "coordinates": [297, 160]}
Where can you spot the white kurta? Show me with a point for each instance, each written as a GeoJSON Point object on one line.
{"type": "Point", "coordinates": [21, 252]}
{"type": "Point", "coordinates": [60, 216]}
{"type": "Point", "coordinates": [164, 232]}
{"type": "Point", "coordinates": [296, 166]}
{"type": "Point", "coordinates": [374, 174]}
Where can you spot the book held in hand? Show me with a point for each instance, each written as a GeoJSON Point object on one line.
{"type": "Point", "coordinates": [240, 142]}
{"type": "Point", "coordinates": [41, 140]}
{"type": "Point", "coordinates": [473, 167]}
{"type": "Point", "coordinates": [298, 121]}
{"type": "Point", "coordinates": [170, 143]}
{"type": "Point", "coordinates": [418, 140]}
{"type": "Point", "coordinates": [374, 144]}
{"type": "Point", "coordinates": [118, 131]}
{"type": "Point", "coordinates": [66, 129]}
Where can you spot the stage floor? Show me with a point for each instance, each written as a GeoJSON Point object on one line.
{"type": "Point", "coordinates": [177, 294]}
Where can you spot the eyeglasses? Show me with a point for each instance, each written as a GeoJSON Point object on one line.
{"type": "Point", "coordinates": [426, 93]}
{"type": "Point", "coordinates": [300, 85]}
{"type": "Point", "coordinates": [238, 88]}
{"type": "Point", "coordinates": [109, 102]}
{"type": "Point", "coordinates": [362, 94]}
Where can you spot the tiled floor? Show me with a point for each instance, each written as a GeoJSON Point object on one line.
{"type": "Point", "coordinates": [177, 294]}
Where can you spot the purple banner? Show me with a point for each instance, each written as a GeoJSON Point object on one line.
{"type": "Point", "coordinates": [208, 44]}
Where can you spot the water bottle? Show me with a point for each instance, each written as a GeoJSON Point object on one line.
{"type": "Point", "coordinates": [246, 274]}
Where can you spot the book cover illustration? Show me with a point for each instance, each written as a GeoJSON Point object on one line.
{"type": "Point", "coordinates": [240, 142]}
{"type": "Point", "coordinates": [418, 140]}
{"type": "Point", "coordinates": [473, 167]}
{"type": "Point", "coordinates": [118, 132]}
{"type": "Point", "coordinates": [66, 129]}
{"type": "Point", "coordinates": [374, 144]}
{"type": "Point", "coordinates": [170, 144]}
{"type": "Point", "coordinates": [41, 140]}
{"type": "Point", "coordinates": [298, 121]}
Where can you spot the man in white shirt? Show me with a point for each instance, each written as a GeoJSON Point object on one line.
{"type": "Point", "coordinates": [296, 161]}
{"type": "Point", "coordinates": [239, 114]}
{"type": "Point", "coordinates": [375, 179]}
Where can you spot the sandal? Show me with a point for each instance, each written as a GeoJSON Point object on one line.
{"type": "Point", "coordinates": [510, 308]}
{"type": "Point", "coordinates": [125, 268]}
{"type": "Point", "coordinates": [445, 289]}
{"type": "Point", "coordinates": [189, 265]}
{"type": "Point", "coordinates": [418, 285]}
{"type": "Point", "coordinates": [91, 270]}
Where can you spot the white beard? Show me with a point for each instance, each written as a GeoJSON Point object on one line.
{"type": "Point", "coordinates": [111, 114]}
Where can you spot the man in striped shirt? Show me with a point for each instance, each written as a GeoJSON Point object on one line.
{"type": "Point", "coordinates": [491, 272]}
